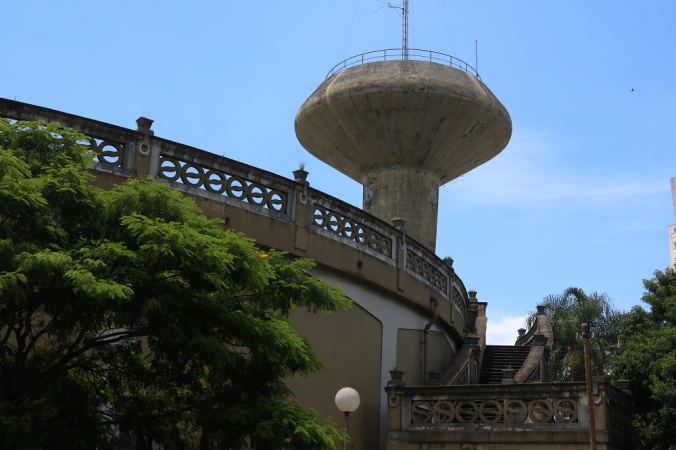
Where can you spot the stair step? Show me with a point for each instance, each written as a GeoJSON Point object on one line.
{"type": "Point", "coordinates": [499, 357]}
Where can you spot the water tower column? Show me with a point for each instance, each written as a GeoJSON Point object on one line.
{"type": "Point", "coordinates": [405, 193]}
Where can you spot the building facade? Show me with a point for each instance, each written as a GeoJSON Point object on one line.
{"type": "Point", "coordinates": [411, 311]}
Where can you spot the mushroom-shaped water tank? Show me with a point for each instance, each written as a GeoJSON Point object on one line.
{"type": "Point", "coordinates": [403, 128]}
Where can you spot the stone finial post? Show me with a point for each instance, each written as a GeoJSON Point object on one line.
{"type": "Point", "coordinates": [300, 175]}
{"type": "Point", "coordinates": [508, 376]}
{"type": "Point", "coordinates": [144, 124]}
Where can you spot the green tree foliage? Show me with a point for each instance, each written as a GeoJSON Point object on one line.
{"type": "Point", "coordinates": [649, 362]}
{"type": "Point", "coordinates": [127, 318]}
{"type": "Point", "coordinates": [567, 312]}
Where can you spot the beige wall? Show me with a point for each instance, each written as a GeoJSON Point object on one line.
{"type": "Point", "coordinates": [410, 350]}
{"type": "Point", "coordinates": [349, 344]}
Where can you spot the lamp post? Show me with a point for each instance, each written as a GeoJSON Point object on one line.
{"type": "Point", "coordinates": [590, 395]}
{"type": "Point", "coordinates": [347, 400]}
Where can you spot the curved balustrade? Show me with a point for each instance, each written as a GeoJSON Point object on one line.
{"type": "Point", "coordinates": [108, 152]}
{"type": "Point", "coordinates": [415, 54]}
{"type": "Point", "coordinates": [351, 226]}
{"type": "Point", "coordinates": [204, 174]}
{"type": "Point", "coordinates": [426, 266]}
{"type": "Point", "coordinates": [458, 302]}
{"type": "Point", "coordinates": [221, 182]}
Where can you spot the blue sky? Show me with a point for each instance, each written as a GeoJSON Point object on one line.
{"type": "Point", "coordinates": [580, 197]}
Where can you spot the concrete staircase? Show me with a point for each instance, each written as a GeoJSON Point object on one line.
{"type": "Point", "coordinates": [499, 357]}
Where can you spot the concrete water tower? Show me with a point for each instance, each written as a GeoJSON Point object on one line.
{"type": "Point", "coordinates": [403, 123]}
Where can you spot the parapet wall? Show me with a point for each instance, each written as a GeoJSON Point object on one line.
{"type": "Point", "coordinates": [506, 417]}
{"type": "Point", "coordinates": [275, 211]}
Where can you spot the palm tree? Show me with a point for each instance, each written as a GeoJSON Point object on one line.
{"type": "Point", "coordinates": [567, 313]}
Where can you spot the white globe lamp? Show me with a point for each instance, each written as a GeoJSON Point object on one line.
{"type": "Point", "coordinates": [347, 400]}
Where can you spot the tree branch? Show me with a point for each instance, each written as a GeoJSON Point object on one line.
{"type": "Point", "coordinates": [164, 414]}
{"type": "Point", "coordinates": [101, 341]}
{"type": "Point", "coordinates": [34, 340]}
{"type": "Point", "coordinates": [79, 338]}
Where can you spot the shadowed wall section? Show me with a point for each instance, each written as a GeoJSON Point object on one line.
{"type": "Point", "coordinates": [410, 352]}
{"type": "Point", "coordinates": [343, 340]}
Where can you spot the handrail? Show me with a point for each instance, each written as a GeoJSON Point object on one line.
{"type": "Point", "coordinates": [398, 54]}
{"type": "Point", "coordinates": [541, 325]}
{"type": "Point", "coordinates": [537, 366]}
{"type": "Point", "coordinates": [457, 374]}
{"type": "Point", "coordinates": [525, 340]}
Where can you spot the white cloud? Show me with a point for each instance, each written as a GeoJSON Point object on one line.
{"type": "Point", "coordinates": [504, 331]}
{"type": "Point", "coordinates": [532, 171]}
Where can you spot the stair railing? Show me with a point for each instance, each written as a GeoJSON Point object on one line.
{"type": "Point", "coordinates": [537, 366]}
{"type": "Point", "coordinates": [465, 367]}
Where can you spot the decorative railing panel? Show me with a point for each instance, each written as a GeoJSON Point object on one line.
{"type": "Point", "coordinates": [220, 182]}
{"type": "Point", "coordinates": [458, 302]}
{"type": "Point", "coordinates": [108, 152]}
{"type": "Point", "coordinates": [352, 229]}
{"type": "Point", "coordinates": [539, 406]}
{"type": "Point", "coordinates": [538, 414]}
{"type": "Point", "coordinates": [426, 267]}
{"type": "Point", "coordinates": [112, 145]}
{"type": "Point", "coordinates": [489, 411]}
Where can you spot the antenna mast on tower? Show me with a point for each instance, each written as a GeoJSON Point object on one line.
{"type": "Point", "coordinates": [404, 43]}
{"type": "Point", "coordinates": [404, 37]}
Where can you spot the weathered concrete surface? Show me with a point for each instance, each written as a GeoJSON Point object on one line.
{"type": "Point", "coordinates": [533, 430]}
{"type": "Point", "coordinates": [408, 194]}
{"type": "Point", "coordinates": [530, 364]}
{"type": "Point", "coordinates": [402, 129]}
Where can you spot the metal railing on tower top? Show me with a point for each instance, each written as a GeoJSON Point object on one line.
{"type": "Point", "coordinates": [391, 54]}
